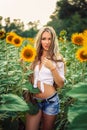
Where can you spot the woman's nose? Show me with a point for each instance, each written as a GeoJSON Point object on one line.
{"type": "Point", "coordinates": [47, 41]}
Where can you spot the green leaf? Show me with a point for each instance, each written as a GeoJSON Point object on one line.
{"type": "Point", "coordinates": [11, 102]}
{"type": "Point", "coordinates": [33, 108]}
{"type": "Point", "coordinates": [79, 91]}
{"type": "Point", "coordinates": [3, 63]}
{"type": "Point", "coordinates": [30, 87]}
{"type": "Point", "coordinates": [29, 72]}
{"type": "Point", "coordinates": [76, 109]}
{"type": "Point", "coordinates": [79, 123]}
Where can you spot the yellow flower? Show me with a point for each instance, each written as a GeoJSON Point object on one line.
{"type": "Point", "coordinates": [81, 54]}
{"type": "Point", "coordinates": [28, 53]}
{"type": "Point", "coordinates": [61, 39]}
{"type": "Point", "coordinates": [10, 36]}
{"type": "Point", "coordinates": [85, 38]}
{"type": "Point", "coordinates": [31, 40]}
{"type": "Point", "coordinates": [85, 42]}
{"type": "Point", "coordinates": [85, 33]}
{"type": "Point", "coordinates": [2, 34]}
{"type": "Point", "coordinates": [17, 41]}
{"type": "Point", "coordinates": [63, 33]}
{"type": "Point", "coordinates": [77, 38]}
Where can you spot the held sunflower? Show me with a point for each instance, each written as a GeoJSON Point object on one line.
{"type": "Point", "coordinates": [28, 53]}
{"type": "Point", "coordinates": [81, 54]}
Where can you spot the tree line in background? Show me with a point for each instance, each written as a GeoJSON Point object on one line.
{"type": "Point", "coordinates": [18, 27]}
{"type": "Point", "coordinates": [69, 15]}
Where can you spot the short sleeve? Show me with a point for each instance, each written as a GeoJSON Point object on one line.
{"type": "Point", "coordinates": [60, 69]}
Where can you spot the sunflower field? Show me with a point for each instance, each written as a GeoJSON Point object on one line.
{"type": "Point", "coordinates": [73, 95]}
{"type": "Point", "coordinates": [14, 78]}
{"type": "Point", "coordinates": [14, 81]}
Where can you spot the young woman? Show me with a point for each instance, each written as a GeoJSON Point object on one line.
{"type": "Point", "coordinates": [48, 69]}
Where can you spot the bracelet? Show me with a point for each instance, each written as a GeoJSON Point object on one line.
{"type": "Point", "coordinates": [53, 69]}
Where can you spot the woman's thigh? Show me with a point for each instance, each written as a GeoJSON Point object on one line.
{"type": "Point", "coordinates": [48, 122]}
{"type": "Point", "coordinates": [33, 121]}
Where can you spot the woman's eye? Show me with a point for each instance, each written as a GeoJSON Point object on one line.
{"type": "Point", "coordinates": [49, 39]}
{"type": "Point", "coordinates": [43, 38]}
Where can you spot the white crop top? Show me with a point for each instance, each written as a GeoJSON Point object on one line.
{"type": "Point", "coordinates": [44, 75]}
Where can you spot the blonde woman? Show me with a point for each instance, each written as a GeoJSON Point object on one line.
{"type": "Point", "coordinates": [48, 70]}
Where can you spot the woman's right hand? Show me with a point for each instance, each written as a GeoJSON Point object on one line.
{"type": "Point", "coordinates": [48, 63]}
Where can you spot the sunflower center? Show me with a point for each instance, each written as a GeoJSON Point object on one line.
{"type": "Point", "coordinates": [28, 53]}
{"type": "Point", "coordinates": [1, 33]}
{"type": "Point", "coordinates": [79, 40]}
{"type": "Point", "coordinates": [10, 38]}
{"type": "Point", "coordinates": [17, 41]}
{"type": "Point", "coordinates": [83, 55]}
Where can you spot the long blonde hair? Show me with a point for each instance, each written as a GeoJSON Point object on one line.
{"type": "Point", "coordinates": [53, 50]}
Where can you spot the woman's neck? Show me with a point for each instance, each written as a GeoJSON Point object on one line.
{"type": "Point", "coordinates": [44, 54]}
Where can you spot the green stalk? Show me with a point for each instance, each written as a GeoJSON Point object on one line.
{"type": "Point", "coordinates": [6, 58]}
{"type": "Point", "coordinates": [84, 68]}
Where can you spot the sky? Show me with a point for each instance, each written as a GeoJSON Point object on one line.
{"type": "Point", "coordinates": [28, 10]}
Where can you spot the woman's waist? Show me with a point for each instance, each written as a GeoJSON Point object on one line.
{"type": "Point", "coordinates": [46, 81]}
{"type": "Point", "coordinates": [48, 91]}
{"type": "Point", "coordinates": [45, 99]}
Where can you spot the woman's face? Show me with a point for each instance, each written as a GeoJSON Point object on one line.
{"type": "Point", "coordinates": [46, 40]}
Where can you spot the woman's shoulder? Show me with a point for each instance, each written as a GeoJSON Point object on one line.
{"type": "Point", "coordinates": [59, 57]}
{"type": "Point", "coordinates": [60, 62]}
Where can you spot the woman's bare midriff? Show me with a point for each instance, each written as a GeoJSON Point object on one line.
{"type": "Point", "coordinates": [48, 91]}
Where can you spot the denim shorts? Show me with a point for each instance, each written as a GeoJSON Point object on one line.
{"type": "Point", "coordinates": [49, 106]}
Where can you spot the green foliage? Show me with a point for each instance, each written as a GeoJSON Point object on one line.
{"type": "Point", "coordinates": [13, 80]}
{"type": "Point", "coordinates": [33, 108]}
{"type": "Point", "coordinates": [30, 87]}
{"type": "Point", "coordinates": [79, 91]}
{"type": "Point", "coordinates": [10, 102]}
{"type": "Point", "coordinates": [73, 97]}
{"type": "Point", "coordinates": [29, 33]}
{"type": "Point", "coordinates": [80, 122]}
{"type": "Point", "coordinates": [77, 114]}
{"type": "Point", "coordinates": [69, 7]}
{"type": "Point", "coordinates": [9, 124]}
{"type": "Point", "coordinates": [70, 15]}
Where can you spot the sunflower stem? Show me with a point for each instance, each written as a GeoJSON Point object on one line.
{"type": "Point", "coordinates": [83, 71]}
{"type": "Point", "coordinates": [6, 57]}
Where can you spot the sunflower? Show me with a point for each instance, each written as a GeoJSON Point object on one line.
{"type": "Point", "coordinates": [85, 42]}
{"type": "Point", "coordinates": [85, 38]}
{"type": "Point", "coordinates": [85, 33]}
{"type": "Point", "coordinates": [17, 40]}
{"type": "Point", "coordinates": [61, 39]}
{"type": "Point", "coordinates": [2, 34]}
{"type": "Point", "coordinates": [28, 53]}
{"type": "Point", "coordinates": [63, 33]}
{"type": "Point", "coordinates": [77, 38]}
{"type": "Point", "coordinates": [81, 54]}
{"type": "Point", "coordinates": [10, 36]}
{"type": "Point", "coordinates": [31, 40]}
